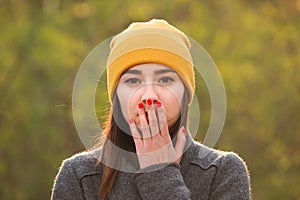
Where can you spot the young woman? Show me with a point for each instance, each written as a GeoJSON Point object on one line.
{"type": "Point", "coordinates": [148, 152]}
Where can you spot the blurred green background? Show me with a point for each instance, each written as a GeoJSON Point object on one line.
{"type": "Point", "coordinates": [255, 45]}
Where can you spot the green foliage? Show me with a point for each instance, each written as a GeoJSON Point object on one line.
{"type": "Point", "coordinates": [255, 44]}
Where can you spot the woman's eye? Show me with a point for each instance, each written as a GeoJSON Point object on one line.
{"type": "Point", "coordinates": [132, 81]}
{"type": "Point", "coordinates": [165, 80]}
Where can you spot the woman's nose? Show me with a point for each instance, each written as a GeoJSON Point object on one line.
{"type": "Point", "coordinates": [149, 92]}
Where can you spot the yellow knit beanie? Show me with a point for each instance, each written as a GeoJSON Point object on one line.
{"type": "Point", "coordinates": [155, 41]}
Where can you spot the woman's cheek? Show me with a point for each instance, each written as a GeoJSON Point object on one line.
{"type": "Point", "coordinates": [173, 111]}
{"type": "Point", "coordinates": [131, 109]}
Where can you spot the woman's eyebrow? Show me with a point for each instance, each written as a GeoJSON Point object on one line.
{"type": "Point", "coordinates": [162, 71]}
{"type": "Point", "coordinates": [133, 71]}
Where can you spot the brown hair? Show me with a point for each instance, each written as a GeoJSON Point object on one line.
{"type": "Point", "coordinates": [122, 139]}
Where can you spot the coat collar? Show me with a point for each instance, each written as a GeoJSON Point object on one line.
{"type": "Point", "coordinates": [199, 154]}
{"type": "Point", "coordinates": [195, 154]}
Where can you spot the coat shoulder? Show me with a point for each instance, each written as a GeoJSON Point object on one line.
{"type": "Point", "coordinates": [84, 162]}
{"type": "Point", "coordinates": [206, 157]}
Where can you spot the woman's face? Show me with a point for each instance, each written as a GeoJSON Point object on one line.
{"type": "Point", "coordinates": [150, 81]}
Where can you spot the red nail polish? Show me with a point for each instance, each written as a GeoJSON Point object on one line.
{"type": "Point", "coordinates": [140, 105]}
{"type": "Point", "coordinates": [183, 130]}
{"type": "Point", "coordinates": [158, 104]}
{"type": "Point", "coordinates": [130, 121]}
{"type": "Point", "coordinates": [149, 102]}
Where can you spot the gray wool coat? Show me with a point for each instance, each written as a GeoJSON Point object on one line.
{"type": "Point", "coordinates": [203, 174]}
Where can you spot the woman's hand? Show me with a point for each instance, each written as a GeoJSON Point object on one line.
{"type": "Point", "coordinates": [154, 144]}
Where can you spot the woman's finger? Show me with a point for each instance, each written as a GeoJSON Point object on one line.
{"type": "Point", "coordinates": [135, 134]}
{"type": "Point", "coordinates": [152, 118]}
{"type": "Point", "coordinates": [180, 143]}
{"type": "Point", "coordinates": [146, 134]}
{"type": "Point", "coordinates": [162, 120]}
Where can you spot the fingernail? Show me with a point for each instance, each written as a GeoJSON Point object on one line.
{"type": "Point", "coordinates": [158, 104]}
{"type": "Point", "coordinates": [183, 130]}
{"type": "Point", "coordinates": [130, 121]}
{"type": "Point", "coordinates": [149, 102]}
{"type": "Point", "coordinates": [140, 105]}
